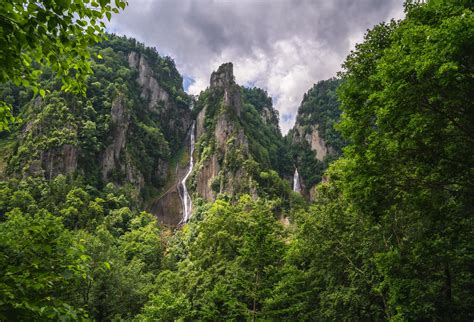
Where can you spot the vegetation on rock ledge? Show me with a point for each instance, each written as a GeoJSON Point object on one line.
{"type": "Point", "coordinates": [388, 237]}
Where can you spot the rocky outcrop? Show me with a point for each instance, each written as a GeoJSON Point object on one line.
{"type": "Point", "coordinates": [312, 136]}
{"type": "Point", "coordinates": [314, 132]}
{"type": "Point", "coordinates": [133, 59]}
{"type": "Point", "coordinates": [126, 131]}
{"type": "Point", "coordinates": [201, 118]}
{"type": "Point", "coordinates": [222, 171]}
{"type": "Point", "coordinates": [218, 173]}
{"type": "Point", "coordinates": [168, 208]}
{"type": "Point", "coordinates": [159, 100]}
{"type": "Point", "coordinates": [133, 175]}
{"type": "Point", "coordinates": [61, 160]}
{"type": "Point", "coordinates": [56, 156]}
{"type": "Point", "coordinates": [120, 122]}
{"type": "Point", "coordinates": [224, 79]}
{"type": "Point", "coordinates": [115, 156]}
{"type": "Point", "coordinates": [205, 177]}
{"type": "Point", "coordinates": [151, 90]}
{"type": "Point", "coordinates": [53, 160]}
{"type": "Point", "coordinates": [270, 116]}
{"type": "Point", "coordinates": [224, 76]}
{"type": "Point", "coordinates": [175, 120]}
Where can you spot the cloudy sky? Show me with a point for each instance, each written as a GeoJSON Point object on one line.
{"type": "Point", "coordinates": [282, 46]}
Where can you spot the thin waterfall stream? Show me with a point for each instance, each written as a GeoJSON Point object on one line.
{"type": "Point", "coordinates": [186, 198]}
{"type": "Point", "coordinates": [296, 182]}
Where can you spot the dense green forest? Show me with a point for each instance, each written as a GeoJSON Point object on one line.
{"type": "Point", "coordinates": [382, 230]}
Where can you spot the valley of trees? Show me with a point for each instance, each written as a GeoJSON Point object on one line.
{"type": "Point", "coordinates": [383, 231]}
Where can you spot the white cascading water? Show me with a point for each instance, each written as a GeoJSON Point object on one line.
{"type": "Point", "coordinates": [296, 182]}
{"type": "Point", "coordinates": [186, 198]}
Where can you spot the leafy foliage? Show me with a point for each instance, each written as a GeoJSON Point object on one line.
{"type": "Point", "coordinates": [56, 34]}
{"type": "Point", "coordinates": [260, 122]}
{"type": "Point", "coordinates": [393, 226]}
{"type": "Point", "coordinates": [39, 259]}
{"type": "Point", "coordinates": [388, 238]}
{"type": "Point", "coordinates": [320, 107]}
{"type": "Point", "coordinates": [230, 264]}
{"type": "Point", "coordinates": [69, 252]}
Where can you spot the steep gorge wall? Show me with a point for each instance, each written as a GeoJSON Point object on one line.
{"type": "Point", "coordinates": [224, 145]}
{"type": "Point", "coordinates": [126, 131]}
{"type": "Point", "coordinates": [314, 140]}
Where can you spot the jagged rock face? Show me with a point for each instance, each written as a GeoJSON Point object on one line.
{"type": "Point", "coordinates": [120, 122]}
{"type": "Point", "coordinates": [151, 90]}
{"type": "Point", "coordinates": [159, 100]}
{"type": "Point", "coordinates": [205, 176]}
{"type": "Point", "coordinates": [318, 144]}
{"type": "Point", "coordinates": [314, 139]}
{"type": "Point", "coordinates": [201, 118]}
{"type": "Point", "coordinates": [62, 160]}
{"type": "Point", "coordinates": [115, 155]}
{"type": "Point", "coordinates": [133, 59]}
{"type": "Point", "coordinates": [217, 173]}
{"type": "Point", "coordinates": [270, 116]}
{"type": "Point", "coordinates": [224, 76]}
{"type": "Point", "coordinates": [311, 135]}
{"type": "Point", "coordinates": [168, 208]}
{"type": "Point", "coordinates": [233, 99]}
{"type": "Point", "coordinates": [224, 129]}
{"type": "Point", "coordinates": [314, 132]}
{"type": "Point", "coordinates": [52, 161]}
{"type": "Point", "coordinates": [127, 130]}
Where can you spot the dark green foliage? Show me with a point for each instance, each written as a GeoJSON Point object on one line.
{"type": "Point", "coordinates": [388, 238]}
{"type": "Point", "coordinates": [329, 274]}
{"type": "Point", "coordinates": [68, 251]}
{"type": "Point", "coordinates": [231, 262]}
{"type": "Point", "coordinates": [39, 259]}
{"type": "Point", "coordinates": [391, 235]}
{"type": "Point", "coordinates": [260, 122]}
{"type": "Point", "coordinates": [408, 109]}
{"type": "Point", "coordinates": [52, 34]}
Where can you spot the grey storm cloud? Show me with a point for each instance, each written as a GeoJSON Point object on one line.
{"type": "Point", "coordinates": [282, 46]}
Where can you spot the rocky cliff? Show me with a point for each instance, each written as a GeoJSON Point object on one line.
{"type": "Point", "coordinates": [314, 140]}
{"type": "Point", "coordinates": [222, 143]}
{"type": "Point", "coordinates": [239, 146]}
{"type": "Point", "coordinates": [313, 137]}
{"type": "Point", "coordinates": [124, 131]}
{"type": "Point", "coordinates": [133, 129]}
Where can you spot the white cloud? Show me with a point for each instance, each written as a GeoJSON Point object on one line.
{"type": "Point", "coordinates": [282, 46]}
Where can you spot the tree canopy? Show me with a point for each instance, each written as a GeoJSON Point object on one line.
{"type": "Point", "coordinates": [388, 237]}
{"type": "Point", "coordinates": [56, 34]}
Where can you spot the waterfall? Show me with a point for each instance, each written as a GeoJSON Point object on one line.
{"type": "Point", "coordinates": [186, 198]}
{"type": "Point", "coordinates": [296, 182]}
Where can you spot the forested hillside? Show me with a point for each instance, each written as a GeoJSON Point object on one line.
{"type": "Point", "coordinates": [94, 218]}
{"type": "Point", "coordinates": [121, 131]}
